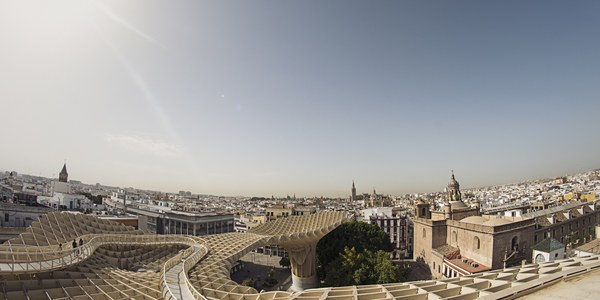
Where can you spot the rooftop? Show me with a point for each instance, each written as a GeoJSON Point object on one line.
{"type": "Point", "coordinates": [591, 247]}
{"type": "Point", "coordinates": [490, 220]}
{"type": "Point", "coordinates": [548, 245]}
{"type": "Point", "coordinates": [468, 266]}
{"type": "Point", "coordinates": [447, 251]}
{"type": "Point", "coordinates": [551, 210]}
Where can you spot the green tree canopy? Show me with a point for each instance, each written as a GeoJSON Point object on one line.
{"type": "Point", "coordinates": [355, 268]}
{"type": "Point", "coordinates": [97, 199]}
{"type": "Point", "coordinates": [359, 238]}
{"type": "Point", "coordinates": [284, 262]}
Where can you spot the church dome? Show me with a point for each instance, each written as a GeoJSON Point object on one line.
{"type": "Point", "coordinates": [453, 182]}
{"type": "Point", "coordinates": [496, 222]}
{"type": "Point", "coordinates": [474, 220]}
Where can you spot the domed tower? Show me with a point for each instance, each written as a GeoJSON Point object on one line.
{"type": "Point", "coordinates": [453, 189]}
{"type": "Point", "coordinates": [63, 176]}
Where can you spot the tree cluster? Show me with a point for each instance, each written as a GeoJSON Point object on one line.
{"type": "Point", "coordinates": [284, 262]}
{"type": "Point", "coordinates": [357, 253]}
{"type": "Point", "coordinates": [96, 199]}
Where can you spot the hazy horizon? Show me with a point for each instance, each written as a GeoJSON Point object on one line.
{"type": "Point", "coordinates": [441, 188]}
{"type": "Point", "coordinates": [276, 97]}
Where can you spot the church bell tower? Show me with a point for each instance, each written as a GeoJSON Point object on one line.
{"type": "Point", "coordinates": [454, 189]}
{"type": "Point", "coordinates": [63, 176]}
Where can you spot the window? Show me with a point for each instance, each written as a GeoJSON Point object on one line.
{"type": "Point", "coordinates": [424, 232]}
{"type": "Point", "coordinates": [6, 217]}
{"type": "Point", "coordinates": [476, 243]}
{"type": "Point", "coordinates": [539, 259]}
{"type": "Point", "coordinates": [514, 244]}
{"type": "Point", "coordinates": [454, 238]}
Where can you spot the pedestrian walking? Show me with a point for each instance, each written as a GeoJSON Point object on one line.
{"type": "Point", "coordinates": [80, 242]}
{"type": "Point", "coordinates": [75, 250]}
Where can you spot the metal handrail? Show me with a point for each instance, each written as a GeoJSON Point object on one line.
{"type": "Point", "coordinates": [165, 289]}
{"type": "Point", "coordinates": [188, 264]}
{"type": "Point", "coordinates": [50, 259]}
{"type": "Point", "coordinates": [189, 258]}
{"type": "Point", "coordinates": [194, 261]}
{"type": "Point", "coordinates": [36, 261]}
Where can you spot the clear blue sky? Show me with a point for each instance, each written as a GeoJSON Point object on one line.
{"type": "Point", "coordinates": [284, 97]}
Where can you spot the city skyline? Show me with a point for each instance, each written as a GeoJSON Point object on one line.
{"type": "Point", "coordinates": [265, 98]}
{"type": "Point", "coordinates": [441, 189]}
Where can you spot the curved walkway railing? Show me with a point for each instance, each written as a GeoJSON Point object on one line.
{"type": "Point", "coordinates": [174, 280]}
{"type": "Point", "coordinates": [34, 260]}
{"type": "Point", "coordinates": [190, 263]}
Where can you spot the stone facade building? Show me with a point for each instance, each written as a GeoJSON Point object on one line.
{"type": "Point", "coordinates": [456, 239]}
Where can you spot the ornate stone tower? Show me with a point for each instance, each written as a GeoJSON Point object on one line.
{"type": "Point", "coordinates": [63, 176]}
{"type": "Point", "coordinates": [454, 189]}
{"type": "Point", "coordinates": [353, 191]}
{"type": "Point", "coordinates": [374, 199]}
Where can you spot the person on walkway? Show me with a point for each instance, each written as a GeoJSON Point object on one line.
{"type": "Point", "coordinates": [75, 250]}
{"type": "Point", "coordinates": [80, 242]}
{"type": "Point", "coordinates": [60, 246]}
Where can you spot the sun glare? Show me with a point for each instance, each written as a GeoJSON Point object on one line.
{"type": "Point", "coordinates": [38, 23]}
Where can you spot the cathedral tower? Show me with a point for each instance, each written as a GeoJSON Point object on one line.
{"type": "Point", "coordinates": [63, 176]}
